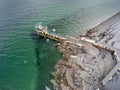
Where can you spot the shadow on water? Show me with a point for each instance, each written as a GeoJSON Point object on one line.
{"type": "Point", "coordinates": [37, 40]}
{"type": "Point", "coordinates": [46, 57]}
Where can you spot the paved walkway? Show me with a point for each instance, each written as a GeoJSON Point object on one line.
{"type": "Point", "coordinates": [109, 76]}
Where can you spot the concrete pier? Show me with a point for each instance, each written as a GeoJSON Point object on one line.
{"type": "Point", "coordinates": [57, 38]}
{"type": "Point", "coordinates": [51, 36]}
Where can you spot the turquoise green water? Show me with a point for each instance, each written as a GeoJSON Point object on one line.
{"type": "Point", "coordinates": [20, 49]}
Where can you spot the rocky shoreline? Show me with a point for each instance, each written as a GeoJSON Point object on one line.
{"type": "Point", "coordinates": [83, 68]}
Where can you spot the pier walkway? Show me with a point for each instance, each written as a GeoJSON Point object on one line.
{"type": "Point", "coordinates": [97, 44]}
{"type": "Point", "coordinates": [57, 38]}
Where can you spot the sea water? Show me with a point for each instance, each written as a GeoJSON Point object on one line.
{"type": "Point", "coordinates": [27, 60]}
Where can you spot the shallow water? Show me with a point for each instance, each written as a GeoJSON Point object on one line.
{"type": "Point", "coordinates": [20, 49]}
